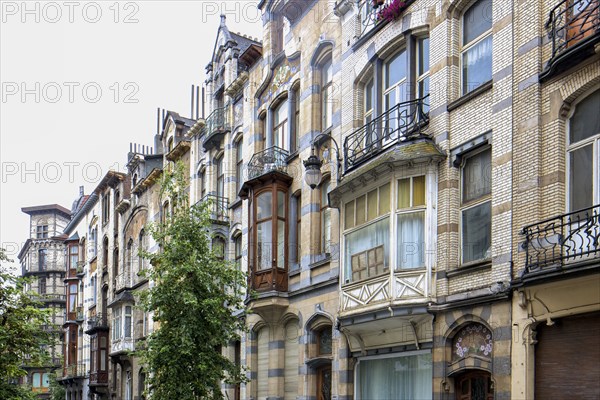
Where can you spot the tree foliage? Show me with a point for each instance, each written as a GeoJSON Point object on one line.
{"type": "Point", "coordinates": [22, 339]}
{"type": "Point", "coordinates": [192, 302]}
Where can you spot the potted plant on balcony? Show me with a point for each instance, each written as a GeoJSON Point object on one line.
{"type": "Point", "coordinates": [392, 10]}
{"type": "Point", "coordinates": [377, 3]}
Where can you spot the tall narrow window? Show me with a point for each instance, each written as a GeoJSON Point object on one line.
{"type": "Point", "coordinates": [117, 332]}
{"type": "Point", "coordinates": [42, 259]}
{"type": "Point", "coordinates": [583, 154]}
{"type": "Point", "coordinates": [239, 165]}
{"type": "Point", "coordinates": [141, 247]}
{"type": "Point", "coordinates": [202, 185]}
{"type": "Point", "coordinates": [238, 252]}
{"type": "Point", "coordinates": [127, 321]}
{"type": "Point", "coordinates": [280, 123]}
{"type": "Point", "coordinates": [410, 223]}
{"type": "Point", "coordinates": [476, 210]}
{"type": "Point", "coordinates": [105, 208]}
{"type": "Point", "coordinates": [477, 45]}
{"type": "Point", "coordinates": [72, 300]}
{"type": "Point", "coordinates": [218, 245]}
{"type": "Point", "coordinates": [129, 260]}
{"type": "Point", "coordinates": [296, 113]}
{"type": "Point", "coordinates": [327, 93]}
{"type": "Point", "coordinates": [115, 262]}
{"type": "Point", "coordinates": [262, 130]}
{"type": "Point", "coordinates": [298, 199]}
{"type": "Point", "coordinates": [220, 178]}
{"type": "Point", "coordinates": [73, 256]}
{"type": "Point", "coordinates": [423, 70]}
{"type": "Point", "coordinates": [42, 285]}
{"type": "Point", "coordinates": [82, 250]}
{"type": "Point", "coordinates": [264, 230]}
{"type": "Point", "coordinates": [325, 218]}
{"type": "Point", "coordinates": [395, 92]}
{"type": "Point", "coordinates": [105, 251]}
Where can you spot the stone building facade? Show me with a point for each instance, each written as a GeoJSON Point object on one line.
{"type": "Point", "coordinates": [450, 242]}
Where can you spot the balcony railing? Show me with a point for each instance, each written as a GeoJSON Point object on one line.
{"type": "Point", "coordinates": [52, 297]}
{"type": "Point", "coordinates": [96, 323]}
{"type": "Point", "coordinates": [562, 241]}
{"type": "Point", "coordinates": [402, 122]}
{"type": "Point", "coordinates": [122, 345]}
{"type": "Point", "coordinates": [371, 13]}
{"type": "Point", "coordinates": [268, 160]}
{"type": "Point", "coordinates": [123, 281]}
{"type": "Point", "coordinates": [98, 378]}
{"type": "Point", "coordinates": [74, 371]}
{"type": "Point", "coordinates": [217, 123]}
{"type": "Point", "coordinates": [571, 22]}
{"type": "Point", "coordinates": [219, 207]}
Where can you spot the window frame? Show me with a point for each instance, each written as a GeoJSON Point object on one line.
{"type": "Point", "coordinates": [464, 48]}
{"type": "Point", "coordinates": [326, 97]}
{"type": "Point", "coordinates": [280, 127]}
{"type": "Point", "coordinates": [324, 215]}
{"type": "Point", "coordinates": [274, 218]}
{"type": "Point", "coordinates": [239, 164]}
{"type": "Point", "coordinates": [473, 203]}
{"type": "Point", "coordinates": [42, 232]}
{"type": "Point", "coordinates": [220, 174]}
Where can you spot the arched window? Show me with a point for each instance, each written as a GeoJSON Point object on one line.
{"type": "Point", "coordinates": [583, 154]}
{"type": "Point", "coordinates": [218, 245]}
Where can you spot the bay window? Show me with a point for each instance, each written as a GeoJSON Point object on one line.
{"type": "Point", "coordinates": [476, 45]}
{"type": "Point", "coordinates": [269, 234]}
{"type": "Point", "coordinates": [386, 226]}
{"type": "Point", "coordinates": [116, 324]}
{"type": "Point", "coordinates": [127, 321]}
{"type": "Point", "coordinates": [476, 210]}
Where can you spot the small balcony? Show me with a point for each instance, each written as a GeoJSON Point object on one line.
{"type": "Point", "coordinates": [217, 125]}
{"type": "Point", "coordinates": [374, 14]}
{"type": "Point", "coordinates": [219, 207]}
{"type": "Point", "coordinates": [399, 124]}
{"type": "Point", "coordinates": [53, 298]}
{"type": "Point", "coordinates": [566, 242]}
{"type": "Point", "coordinates": [98, 378]}
{"type": "Point", "coordinates": [97, 323]}
{"type": "Point", "coordinates": [121, 346]}
{"type": "Point", "coordinates": [43, 270]}
{"type": "Point", "coordinates": [264, 166]}
{"type": "Point", "coordinates": [574, 30]}
{"type": "Point", "coordinates": [74, 371]}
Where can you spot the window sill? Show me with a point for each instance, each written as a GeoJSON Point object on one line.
{"type": "Point", "coordinates": [470, 96]}
{"type": "Point", "coordinates": [324, 261]}
{"type": "Point", "coordinates": [469, 268]}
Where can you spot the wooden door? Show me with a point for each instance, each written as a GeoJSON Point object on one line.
{"type": "Point", "coordinates": [476, 385]}
{"type": "Point", "coordinates": [324, 383]}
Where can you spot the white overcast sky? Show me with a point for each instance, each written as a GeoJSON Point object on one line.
{"type": "Point", "coordinates": [61, 53]}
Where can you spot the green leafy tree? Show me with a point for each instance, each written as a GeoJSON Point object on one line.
{"type": "Point", "coordinates": [22, 339]}
{"type": "Point", "coordinates": [193, 303]}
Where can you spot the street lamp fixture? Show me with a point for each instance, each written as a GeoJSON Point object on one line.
{"type": "Point", "coordinates": [313, 174]}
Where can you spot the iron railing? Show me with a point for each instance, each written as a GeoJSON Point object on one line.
{"type": "Point", "coordinates": [562, 240]}
{"type": "Point", "coordinates": [51, 297]}
{"type": "Point", "coordinates": [272, 159]}
{"type": "Point", "coordinates": [97, 322]}
{"type": "Point", "coordinates": [217, 122]}
{"type": "Point", "coordinates": [401, 122]}
{"type": "Point", "coordinates": [219, 207]}
{"type": "Point", "coordinates": [572, 21]}
{"type": "Point", "coordinates": [372, 13]}
{"type": "Point", "coordinates": [98, 378]}
{"type": "Point", "coordinates": [74, 371]}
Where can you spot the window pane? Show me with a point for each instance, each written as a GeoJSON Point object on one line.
{"type": "Point", "coordinates": [264, 205]}
{"type": "Point", "coordinates": [476, 232]}
{"type": "Point", "coordinates": [349, 215]}
{"type": "Point", "coordinates": [477, 20]}
{"type": "Point", "coordinates": [102, 360]}
{"type": "Point", "coordinates": [324, 192]}
{"type": "Point", "coordinates": [360, 210]}
{"type": "Point", "coordinates": [264, 234]}
{"type": "Point", "coordinates": [367, 251]}
{"type": "Point", "coordinates": [411, 240]}
{"type": "Point", "coordinates": [477, 65]}
{"type": "Point", "coordinates": [418, 191]}
{"type": "Point", "coordinates": [477, 176]}
{"type": "Point", "coordinates": [404, 193]}
{"type": "Point", "coordinates": [401, 378]}
{"type": "Point", "coordinates": [37, 379]}
{"type": "Point", "coordinates": [586, 120]}
{"type": "Point", "coordinates": [581, 178]}
{"type": "Point", "coordinates": [384, 199]}
{"type": "Point", "coordinates": [395, 69]}
{"type": "Point", "coordinates": [46, 380]}
{"type": "Point", "coordinates": [423, 55]}
{"type": "Point", "coordinates": [280, 244]}
{"type": "Point", "coordinates": [281, 112]}
{"type": "Point", "coordinates": [372, 205]}
{"type": "Point", "coordinates": [326, 230]}
{"type": "Point", "coordinates": [128, 326]}
{"type": "Point", "coordinates": [281, 204]}
{"type": "Point", "coordinates": [369, 96]}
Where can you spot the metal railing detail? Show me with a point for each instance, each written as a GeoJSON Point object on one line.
{"type": "Point", "coordinates": [219, 207]}
{"type": "Point", "coordinates": [563, 239]}
{"type": "Point", "coordinates": [217, 122]}
{"type": "Point", "coordinates": [571, 22]}
{"type": "Point", "coordinates": [401, 122]}
{"type": "Point", "coordinates": [269, 160]}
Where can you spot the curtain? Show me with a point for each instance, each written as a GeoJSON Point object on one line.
{"type": "Point", "coordinates": [476, 235]}
{"type": "Point", "coordinates": [401, 378]}
{"type": "Point", "coordinates": [411, 240]}
{"type": "Point", "coordinates": [477, 65]}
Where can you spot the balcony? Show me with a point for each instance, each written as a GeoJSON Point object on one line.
{"type": "Point", "coordinates": [123, 281]}
{"type": "Point", "coordinates": [43, 270]}
{"type": "Point", "coordinates": [98, 378]}
{"type": "Point", "coordinates": [217, 125]}
{"type": "Point", "coordinates": [73, 371]}
{"type": "Point", "coordinates": [52, 298]}
{"type": "Point", "coordinates": [374, 14]}
{"type": "Point", "coordinates": [574, 30]}
{"type": "Point", "coordinates": [563, 243]}
{"type": "Point", "coordinates": [399, 124]}
{"type": "Point", "coordinates": [121, 346]}
{"type": "Point", "coordinates": [219, 207]}
{"type": "Point", "coordinates": [97, 323]}
{"type": "Point", "coordinates": [265, 166]}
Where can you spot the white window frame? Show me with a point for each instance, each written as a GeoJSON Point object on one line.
{"type": "Point", "coordinates": [464, 48]}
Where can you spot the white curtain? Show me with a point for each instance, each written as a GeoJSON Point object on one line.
{"type": "Point", "coordinates": [411, 240]}
{"type": "Point", "coordinates": [400, 378]}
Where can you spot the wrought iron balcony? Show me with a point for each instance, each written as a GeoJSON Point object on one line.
{"type": "Point", "coordinates": [96, 323]}
{"type": "Point", "coordinates": [217, 125]}
{"type": "Point", "coordinates": [219, 207]}
{"type": "Point", "coordinates": [74, 371]}
{"type": "Point", "coordinates": [52, 298]}
{"type": "Point", "coordinates": [402, 122]}
{"type": "Point", "coordinates": [98, 378]}
{"type": "Point", "coordinates": [563, 241]}
{"type": "Point", "coordinates": [574, 29]}
{"type": "Point", "coordinates": [374, 13]}
{"type": "Point", "coordinates": [273, 159]}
